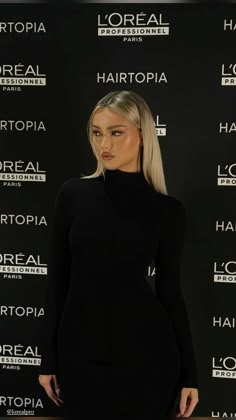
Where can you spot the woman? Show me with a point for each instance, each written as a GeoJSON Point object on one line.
{"type": "Point", "coordinates": [114, 347]}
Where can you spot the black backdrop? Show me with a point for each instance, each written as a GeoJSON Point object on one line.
{"type": "Point", "coordinates": [43, 142]}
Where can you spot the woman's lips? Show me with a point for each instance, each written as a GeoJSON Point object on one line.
{"type": "Point", "coordinates": [106, 156]}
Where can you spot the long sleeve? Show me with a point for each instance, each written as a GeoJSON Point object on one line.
{"type": "Point", "coordinates": [58, 280]}
{"type": "Point", "coordinates": [168, 288]}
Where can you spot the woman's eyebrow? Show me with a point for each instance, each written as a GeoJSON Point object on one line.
{"type": "Point", "coordinates": [111, 126]}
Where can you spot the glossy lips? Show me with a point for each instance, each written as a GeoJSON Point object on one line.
{"type": "Point", "coordinates": [107, 156]}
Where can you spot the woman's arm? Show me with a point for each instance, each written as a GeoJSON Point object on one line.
{"type": "Point", "coordinates": [58, 279]}
{"type": "Point", "coordinates": [168, 287]}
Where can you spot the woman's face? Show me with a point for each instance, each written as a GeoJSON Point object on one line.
{"type": "Point", "coordinates": [115, 135]}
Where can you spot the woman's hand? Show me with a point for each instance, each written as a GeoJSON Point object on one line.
{"type": "Point", "coordinates": [51, 387]}
{"type": "Point", "coordinates": [188, 400]}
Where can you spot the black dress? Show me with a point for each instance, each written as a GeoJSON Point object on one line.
{"type": "Point", "coordinates": [121, 350]}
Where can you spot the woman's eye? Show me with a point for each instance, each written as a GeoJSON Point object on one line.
{"type": "Point", "coordinates": [115, 133]}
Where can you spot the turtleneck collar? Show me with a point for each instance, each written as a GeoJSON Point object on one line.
{"type": "Point", "coordinates": [131, 181]}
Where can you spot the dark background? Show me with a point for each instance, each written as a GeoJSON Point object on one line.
{"type": "Point", "coordinates": [192, 104]}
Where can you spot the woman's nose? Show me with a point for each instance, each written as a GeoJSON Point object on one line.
{"type": "Point", "coordinates": [106, 141]}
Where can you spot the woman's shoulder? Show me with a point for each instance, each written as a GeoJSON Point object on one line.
{"type": "Point", "coordinates": [172, 208]}
{"type": "Point", "coordinates": [169, 201]}
{"type": "Point", "coordinates": [77, 184]}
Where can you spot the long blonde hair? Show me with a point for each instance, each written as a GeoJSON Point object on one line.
{"type": "Point", "coordinates": [135, 109]}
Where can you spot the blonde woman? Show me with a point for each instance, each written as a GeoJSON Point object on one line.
{"type": "Point", "coordinates": [114, 347]}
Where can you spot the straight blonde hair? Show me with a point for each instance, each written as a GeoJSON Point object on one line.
{"type": "Point", "coordinates": [135, 109]}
